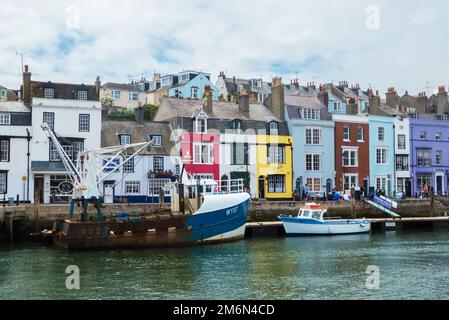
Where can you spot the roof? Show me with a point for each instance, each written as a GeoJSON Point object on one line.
{"type": "Point", "coordinates": [175, 107]}
{"type": "Point", "coordinates": [63, 90]}
{"type": "Point", "coordinates": [294, 104]}
{"type": "Point", "coordinates": [13, 106]}
{"type": "Point", "coordinates": [139, 133]}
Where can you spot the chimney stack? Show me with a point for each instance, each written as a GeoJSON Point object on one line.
{"type": "Point", "coordinates": [421, 103]}
{"type": "Point", "coordinates": [323, 96]}
{"type": "Point", "coordinates": [139, 115]}
{"type": "Point", "coordinates": [392, 98]}
{"type": "Point", "coordinates": [244, 102]}
{"type": "Point", "coordinates": [374, 104]}
{"type": "Point", "coordinates": [208, 104]}
{"type": "Point", "coordinates": [98, 85]}
{"type": "Point", "coordinates": [277, 98]}
{"type": "Point", "coordinates": [442, 102]}
{"type": "Point", "coordinates": [26, 94]}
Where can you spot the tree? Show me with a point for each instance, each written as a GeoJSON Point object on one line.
{"type": "Point", "coordinates": [150, 112]}
{"type": "Point", "coordinates": [107, 102]}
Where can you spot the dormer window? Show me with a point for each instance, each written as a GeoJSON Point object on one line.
{"type": "Point", "coordinates": [124, 139]}
{"type": "Point", "coordinates": [201, 123]}
{"type": "Point", "coordinates": [81, 95]}
{"type": "Point", "coordinates": [2, 94]}
{"type": "Point", "coordinates": [274, 128]}
{"type": "Point", "coordinates": [310, 114]}
{"type": "Point", "coordinates": [256, 83]}
{"type": "Point", "coordinates": [184, 77]}
{"type": "Point", "coordinates": [49, 93]}
{"type": "Point", "coordinates": [166, 81]}
{"type": "Point", "coordinates": [5, 119]}
{"type": "Point", "coordinates": [237, 126]}
{"type": "Point", "coordinates": [337, 106]}
{"type": "Point", "coordinates": [157, 140]}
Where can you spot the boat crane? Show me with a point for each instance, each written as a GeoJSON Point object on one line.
{"type": "Point", "coordinates": [92, 167]}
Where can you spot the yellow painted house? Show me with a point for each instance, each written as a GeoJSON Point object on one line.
{"type": "Point", "coordinates": [275, 167]}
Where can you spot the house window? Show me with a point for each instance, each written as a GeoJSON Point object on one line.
{"type": "Point", "coordinates": [201, 123]}
{"type": "Point", "coordinates": [310, 114]}
{"type": "Point", "coordinates": [157, 140]}
{"type": "Point", "coordinates": [159, 99]}
{"type": "Point", "coordinates": [401, 141]}
{"type": "Point", "coordinates": [350, 158]}
{"type": "Point", "coordinates": [256, 83]}
{"type": "Point", "coordinates": [154, 185]}
{"type": "Point", "coordinates": [381, 183]}
{"type": "Point", "coordinates": [314, 184]}
{"type": "Point", "coordinates": [423, 135]}
{"type": "Point", "coordinates": [276, 154]}
{"type": "Point", "coordinates": [81, 95]}
{"type": "Point", "coordinates": [128, 167]}
{"type": "Point", "coordinates": [423, 179]}
{"type": "Point", "coordinates": [166, 81]}
{"type": "Point", "coordinates": [4, 150]}
{"type": "Point", "coordinates": [360, 135]}
{"type": "Point", "coordinates": [84, 123]}
{"type": "Point", "coordinates": [49, 93]}
{"type": "Point", "coordinates": [438, 136]}
{"type": "Point", "coordinates": [438, 157]}
{"type": "Point", "coordinates": [158, 164]}
{"type": "Point", "coordinates": [72, 149]}
{"type": "Point", "coordinates": [133, 96]}
{"type": "Point", "coordinates": [274, 128]}
{"type": "Point", "coordinates": [194, 93]}
{"type": "Point", "coordinates": [237, 126]}
{"type": "Point", "coordinates": [132, 187]}
{"type": "Point", "coordinates": [313, 162]}
{"type": "Point", "coordinates": [125, 139]}
{"type": "Point", "coordinates": [115, 94]}
{"type": "Point", "coordinates": [5, 119]}
{"type": "Point", "coordinates": [402, 163]}
{"type": "Point", "coordinates": [337, 107]}
{"type": "Point", "coordinates": [276, 184]}
{"type": "Point", "coordinates": [239, 153]}
{"type": "Point", "coordinates": [381, 155]}
{"type": "Point", "coordinates": [2, 94]}
{"type": "Point", "coordinates": [49, 118]}
{"type": "Point", "coordinates": [313, 136]}
{"type": "Point", "coordinates": [444, 117]}
{"type": "Point", "coordinates": [240, 88]}
{"type": "Point", "coordinates": [184, 77]}
{"type": "Point", "coordinates": [203, 153]}
{"type": "Point", "coordinates": [3, 182]}
{"type": "Point", "coordinates": [381, 133]}
{"type": "Point", "coordinates": [346, 134]}
{"type": "Point", "coordinates": [424, 157]}
{"type": "Point", "coordinates": [351, 181]}
{"type": "Point", "coordinates": [260, 97]}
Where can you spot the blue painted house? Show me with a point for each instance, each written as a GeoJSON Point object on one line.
{"type": "Point", "coordinates": [312, 129]}
{"type": "Point", "coordinates": [335, 102]}
{"type": "Point", "coordinates": [191, 84]}
{"type": "Point", "coordinates": [382, 151]}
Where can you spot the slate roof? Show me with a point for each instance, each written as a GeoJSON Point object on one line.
{"type": "Point", "coordinates": [47, 166]}
{"type": "Point", "coordinates": [122, 86]}
{"type": "Point", "coordinates": [139, 133]}
{"type": "Point", "coordinates": [294, 104]}
{"type": "Point", "coordinates": [63, 90]}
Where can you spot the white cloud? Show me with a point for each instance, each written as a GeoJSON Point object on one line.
{"type": "Point", "coordinates": [321, 40]}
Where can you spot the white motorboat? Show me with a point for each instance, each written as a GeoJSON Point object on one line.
{"type": "Point", "coordinates": [311, 221]}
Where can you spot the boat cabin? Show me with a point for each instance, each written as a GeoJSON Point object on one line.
{"type": "Point", "coordinates": [312, 211]}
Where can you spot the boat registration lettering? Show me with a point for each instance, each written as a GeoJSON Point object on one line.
{"type": "Point", "coordinates": [232, 211]}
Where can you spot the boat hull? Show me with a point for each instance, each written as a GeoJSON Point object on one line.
{"type": "Point", "coordinates": [217, 225]}
{"type": "Point", "coordinates": [306, 227]}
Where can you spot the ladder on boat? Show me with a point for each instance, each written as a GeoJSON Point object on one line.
{"type": "Point", "coordinates": [384, 208]}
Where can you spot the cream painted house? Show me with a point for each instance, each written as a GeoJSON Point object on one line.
{"type": "Point", "coordinates": [124, 96]}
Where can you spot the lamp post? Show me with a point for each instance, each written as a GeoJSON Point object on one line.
{"type": "Point", "coordinates": [28, 165]}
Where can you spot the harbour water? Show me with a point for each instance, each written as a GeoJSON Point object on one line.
{"type": "Point", "coordinates": [412, 265]}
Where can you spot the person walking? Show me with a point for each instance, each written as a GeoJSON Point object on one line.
{"type": "Point", "coordinates": [425, 190]}
{"type": "Point", "coordinates": [306, 192]}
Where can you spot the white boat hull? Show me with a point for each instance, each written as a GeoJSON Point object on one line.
{"type": "Point", "coordinates": [299, 227]}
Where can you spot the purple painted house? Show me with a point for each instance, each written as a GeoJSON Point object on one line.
{"type": "Point", "coordinates": [429, 152]}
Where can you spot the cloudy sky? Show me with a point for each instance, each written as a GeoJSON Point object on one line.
{"type": "Point", "coordinates": [377, 43]}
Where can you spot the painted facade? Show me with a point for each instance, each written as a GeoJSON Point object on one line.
{"type": "Point", "coordinates": [313, 144]}
{"type": "Point", "coordinates": [352, 157]}
{"type": "Point", "coordinates": [382, 160]}
{"type": "Point", "coordinates": [429, 145]}
{"type": "Point", "coordinates": [124, 96]}
{"type": "Point", "coordinates": [191, 85]}
{"type": "Point", "coordinates": [402, 156]}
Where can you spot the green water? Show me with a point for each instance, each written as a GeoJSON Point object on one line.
{"type": "Point", "coordinates": [412, 266]}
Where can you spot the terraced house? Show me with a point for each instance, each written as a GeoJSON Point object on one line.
{"type": "Point", "coordinates": [124, 96]}
{"type": "Point", "coordinates": [226, 141]}
{"type": "Point", "coordinates": [312, 127]}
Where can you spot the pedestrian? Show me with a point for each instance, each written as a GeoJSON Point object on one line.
{"type": "Point", "coordinates": [306, 191]}
{"type": "Point", "coordinates": [425, 190]}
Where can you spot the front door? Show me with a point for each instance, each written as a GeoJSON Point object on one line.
{"type": "Point", "coordinates": [439, 185]}
{"type": "Point", "coordinates": [261, 187]}
{"type": "Point", "coordinates": [408, 188]}
{"type": "Point", "coordinates": [241, 175]}
{"type": "Point", "coordinates": [39, 189]}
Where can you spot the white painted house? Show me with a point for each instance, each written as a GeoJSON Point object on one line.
{"type": "Point", "coordinates": [15, 124]}
{"type": "Point", "coordinates": [402, 154]}
{"type": "Point", "coordinates": [140, 180]}
{"type": "Point", "coordinates": [78, 123]}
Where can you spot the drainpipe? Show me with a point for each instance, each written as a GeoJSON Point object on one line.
{"type": "Point", "coordinates": [28, 165]}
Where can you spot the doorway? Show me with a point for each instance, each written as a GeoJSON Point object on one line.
{"type": "Point", "coordinates": [439, 185]}
{"type": "Point", "coordinates": [408, 188]}
{"type": "Point", "coordinates": [261, 187]}
{"type": "Point", "coordinates": [39, 189]}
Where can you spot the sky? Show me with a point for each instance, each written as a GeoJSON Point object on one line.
{"type": "Point", "coordinates": [375, 43]}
